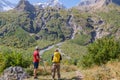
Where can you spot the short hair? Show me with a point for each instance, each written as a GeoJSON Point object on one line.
{"type": "Point", "coordinates": [56, 50]}
{"type": "Point", "coordinates": [37, 48]}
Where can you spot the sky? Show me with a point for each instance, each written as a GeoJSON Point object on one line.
{"type": "Point", "coordinates": [67, 3]}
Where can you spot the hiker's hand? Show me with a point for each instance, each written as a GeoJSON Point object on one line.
{"type": "Point", "coordinates": [41, 59]}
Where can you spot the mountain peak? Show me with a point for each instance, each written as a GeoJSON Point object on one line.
{"type": "Point", "coordinates": [24, 5]}
{"type": "Point", "coordinates": [51, 3]}
{"type": "Point", "coordinates": [55, 3]}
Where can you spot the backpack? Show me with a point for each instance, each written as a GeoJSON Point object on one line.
{"type": "Point", "coordinates": [56, 57]}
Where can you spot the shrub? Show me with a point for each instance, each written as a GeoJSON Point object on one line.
{"type": "Point", "coordinates": [101, 51]}
{"type": "Point", "coordinates": [14, 59]}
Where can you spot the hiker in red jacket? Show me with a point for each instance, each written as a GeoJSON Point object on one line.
{"type": "Point", "coordinates": [36, 59]}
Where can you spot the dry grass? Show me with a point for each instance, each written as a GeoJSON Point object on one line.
{"type": "Point", "coordinates": [110, 71]}
{"type": "Point", "coordinates": [67, 73]}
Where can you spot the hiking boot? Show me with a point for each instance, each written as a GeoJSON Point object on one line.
{"type": "Point", "coordinates": [35, 77]}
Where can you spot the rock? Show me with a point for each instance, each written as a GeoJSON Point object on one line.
{"type": "Point", "coordinates": [14, 73]}
{"type": "Point", "coordinates": [79, 75]}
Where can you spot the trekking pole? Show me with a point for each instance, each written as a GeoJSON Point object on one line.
{"type": "Point", "coordinates": [43, 65]}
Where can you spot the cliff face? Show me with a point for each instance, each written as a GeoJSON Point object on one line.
{"type": "Point", "coordinates": [24, 5]}
{"type": "Point", "coordinates": [95, 4]}
{"type": "Point", "coordinates": [92, 4]}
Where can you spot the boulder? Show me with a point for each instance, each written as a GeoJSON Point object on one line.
{"type": "Point", "coordinates": [14, 73]}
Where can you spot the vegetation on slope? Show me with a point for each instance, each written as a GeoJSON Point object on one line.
{"type": "Point", "coordinates": [101, 51]}
{"type": "Point", "coordinates": [47, 27]}
{"type": "Point", "coordinates": [14, 57]}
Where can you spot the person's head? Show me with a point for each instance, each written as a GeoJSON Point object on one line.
{"type": "Point", "coordinates": [56, 50]}
{"type": "Point", "coordinates": [37, 48]}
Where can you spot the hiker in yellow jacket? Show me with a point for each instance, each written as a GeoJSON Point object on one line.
{"type": "Point", "coordinates": [56, 58]}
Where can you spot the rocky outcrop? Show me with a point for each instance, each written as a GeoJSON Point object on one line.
{"type": "Point", "coordinates": [100, 33]}
{"type": "Point", "coordinates": [89, 5]}
{"type": "Point", "coordinates": [92, 4]}
{"type": "Point", "coordinates": [14, 73]}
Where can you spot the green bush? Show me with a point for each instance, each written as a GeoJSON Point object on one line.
{"type": "Point", "coordinates": [101, 51]}
{"type": "Point", "coordinates": [14, 59]}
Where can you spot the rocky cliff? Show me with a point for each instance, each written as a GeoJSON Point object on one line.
{"type": "Point", "coordinates": [24, 5]}
{"type": "Point", "coordinates": [90, 5]}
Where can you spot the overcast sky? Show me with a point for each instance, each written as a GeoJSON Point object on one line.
{"type": "Point", "coordinates": [67, 3]}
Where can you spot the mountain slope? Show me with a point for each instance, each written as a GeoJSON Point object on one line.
{"type": "Point", "coordinates": [55, 25]}
{"type": "Point", "coordinates": [93, 4]}
{"type": "Point", "coordinates": [46, 24]}
{"type": "Point", "coordinates": [96, 4]}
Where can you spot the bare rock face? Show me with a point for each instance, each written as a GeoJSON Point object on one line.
{"type": "Point", "coordinates": [95, 4]}
{"type": "Point", "coordinates": [24, 5]}
{"type": "Point", "coordinates": [14, 73]}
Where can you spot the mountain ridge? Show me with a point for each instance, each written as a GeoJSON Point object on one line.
{"type": "Point", "coordinates": [26, 3]}
{"type": "Point", "coordinates": [57, 25]}
{"type": "Point", "coordinates": [90, 5]}
{"type": "Point", "coordinates": [83, 5]}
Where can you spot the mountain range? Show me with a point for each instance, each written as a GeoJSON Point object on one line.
{"type": "Point", "coordinates": [26, 25]}
{"type": "Point", "coordinates": [5, 5]}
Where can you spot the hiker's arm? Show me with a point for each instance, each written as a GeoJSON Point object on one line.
{"type": "Point", "coordinates": [38, 57]}
{"type": "Point", "coordinates": [60, 57]}
{"type": "Point", "coordinates": [52, 57]}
